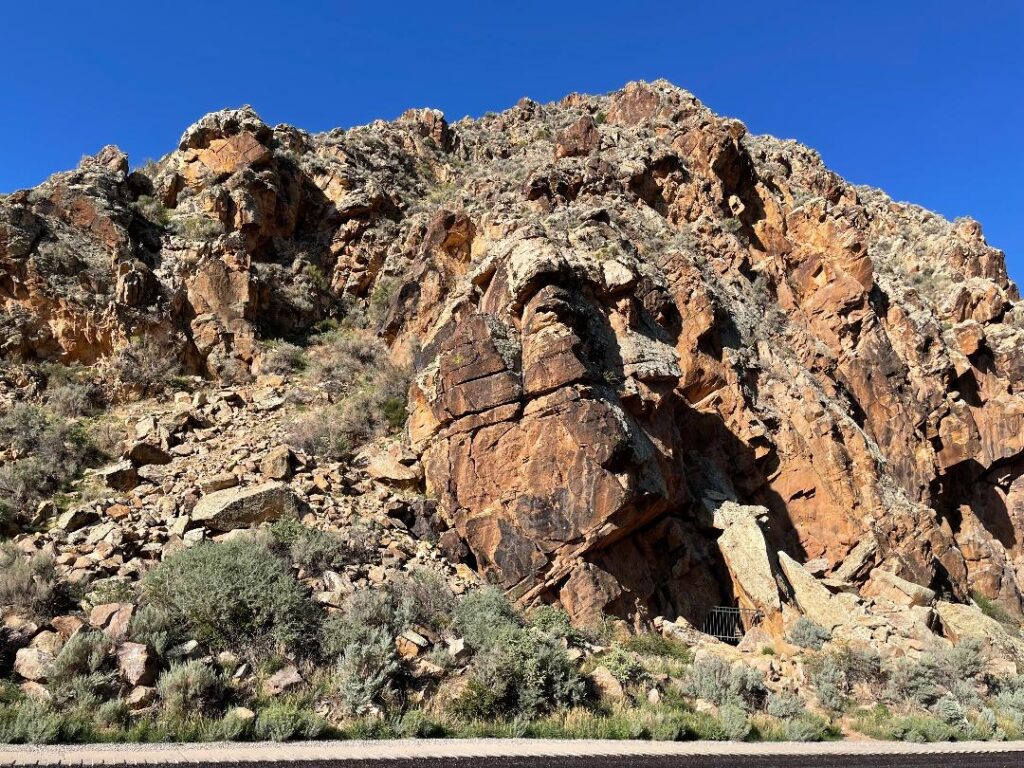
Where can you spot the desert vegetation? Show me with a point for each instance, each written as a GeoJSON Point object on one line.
{"type": "Point", "coordinates": [408, 657]}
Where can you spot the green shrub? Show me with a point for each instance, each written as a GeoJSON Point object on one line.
{"type": "Point", "coordinates": [282, 357]}
{"type": "Point", "coordinates": [365, 672]}
{"type": "Point", "coordinates": [83, 673]}
{"type": "Point", "coordinates": [555, 622]}
{"type": "Point", "coordinates": [232, 592]}
{"type": "Point", "coordinates": [197, 226]}
{"type": "Point", "coordinates": [807, 634]}
{"type": "Point", "coordinates": [915, 681]}
{"type": "Point", "coordinates": [30, 585]}
{"type": "Point", "coordinates": [145, 368]}
{"type": "Point", "coordinates": [70, 399]}
{"type": "Point", "coordinates": [32, 721]}
{"type": "Point", "coordinates": [355, 370]}
{"type": "Point", "coordinates": [784, 705]}
{"type": "Point", "coordinates": [380, 299]}
{"type": "Point", "coordinates": [831, 686]}
{"type": "Point", "coordinates": [963, 662]}
{"type": "Point", "coordinates": [807, 727]}
{"type": "Point", "coordinates": [485, 616]}
{"type": "Point", "coordinates": [318, 433]}
{"type": "Point", "coordinates": [650, 644]}
{"type": "Point", "coordinates": [157, 628]}
{"type": "Point", "coordinates": [316, 550]}
{"type": "Point", "coordinates": [286, 720]}
{"type": "Point", "coordinates": [51, 452]}
{"type": "Point", "coordinates": [714, 680]}
{"type": "Point", "coordinates": [231, 727]}
{"type": "Point", "coordinates": [704, 726]}
{"type": "Point", "coordinates": [153, 209]}
{"type": "Point", "coordinates": [735, 723]}
{"type": "Point", "coordinates": [624, 666]}
{"type": "Point", "coordinates": [520, 674]}
{"type": "Point", "coordinates": [86, 652]}
{"type": "Point", "coordinates": [112, 714]}
{"type": "Point", "coordinates": [952, 713]}
{"type": "Point", "coordinates": [190, 688]}
{"type": "Point", "coordinates": [416, 724]}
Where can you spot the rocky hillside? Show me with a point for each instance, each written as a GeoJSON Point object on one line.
{"type": "Point", "coordinates": [657, 363]}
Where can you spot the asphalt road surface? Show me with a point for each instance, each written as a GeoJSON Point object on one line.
{"type": "Point", "coordinates": [951, 760]}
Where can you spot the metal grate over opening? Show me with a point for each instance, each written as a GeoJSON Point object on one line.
{"type": "Point", "coordinates": [729, 624]}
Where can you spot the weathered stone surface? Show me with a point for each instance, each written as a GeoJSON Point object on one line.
{"type": "Point", "coordinates": [137, 665]}
{"type": "Point", "coordinates": [961, 622]}
{"type": "Point", "coordinates": [889, 586]}
{"type": "Point", "coordinates": [283, 680]}
{"type": "Point", "coordinates": [218, 482]}
{"type": "Point", "coordinates": [241, 508]}
{"type": "Point", "coordinates": [76, 518]}
{"type": "Point", "coordinates": [113, 618]}
{"type": "Point", "coordinates": [580, 138]}
{"type": "Point", "coordinates": [121, 476]}
{"type": "Point", "coordinates": [606, 686]}
{"type": "Point", "coordinates": [745, 553]}
{"type": "Point", "coordinates": [140, 697]}
{"type": "Point", "coordinates": [813, 599]}
{"type": "Point", "coordinates": [277, 465]}
{"type": "Point", "coordinates": [143, 453]}
{"type": "Point", "coordinates": [32, 663]}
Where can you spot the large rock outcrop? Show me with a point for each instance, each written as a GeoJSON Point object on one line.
{"type": "Point", "coordinates": [608, 301]}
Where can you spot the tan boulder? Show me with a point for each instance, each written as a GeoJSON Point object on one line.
{"type": "Point", "coordinates": [745, 553]}
{"type": "Point", "coordinates": [138, 666]}
{"type": "Point", "coordinates": [140, 697]}
{"type": "Point", "coordinates": [284, 679]}
{"type": "Point", "coordinates": [113, 618]}
{"type": "Point", "coordinates": [606, 685]}
{"type": "Point", "coordinates": [888, 586]}
{"type": "Point", "coordinates": [812, 598]}
{"type": "Point", "coordinates": [278, 464]}
{"type": "Point", "coordinates": [32, 663]}
{"type": "Point", "coordinates": [961, 622]}
{"type": "Point", "coordinates": [244, 507]}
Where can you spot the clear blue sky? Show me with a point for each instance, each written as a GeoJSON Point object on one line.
{"type": "Point", "coordinates": [922, 98]}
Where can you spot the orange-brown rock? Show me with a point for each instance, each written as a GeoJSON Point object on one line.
{"type": "Point", "coordinates": [611, 322]}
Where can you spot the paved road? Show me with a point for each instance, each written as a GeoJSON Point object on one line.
{"type": "Point", "coordinates": [495, 753]}
{"type": "Point", "coordinates": [1008, 760]}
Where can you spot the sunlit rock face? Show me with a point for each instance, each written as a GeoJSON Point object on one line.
{"type": "Point", "coordinates": [623, 311]}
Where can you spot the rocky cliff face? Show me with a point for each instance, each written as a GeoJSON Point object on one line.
{"type": "Point", "coordinates": [627, 317]}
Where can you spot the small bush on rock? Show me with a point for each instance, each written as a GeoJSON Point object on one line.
{"type": "Point", "coordinates": [624, 666]}
{"type": "Point", "coordinates": [650, 644]}
{"type": "Point", "coordinates": [807, 634]}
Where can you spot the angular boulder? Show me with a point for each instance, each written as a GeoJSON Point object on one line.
{"type": "Point", "coordinates": [235, 508]}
